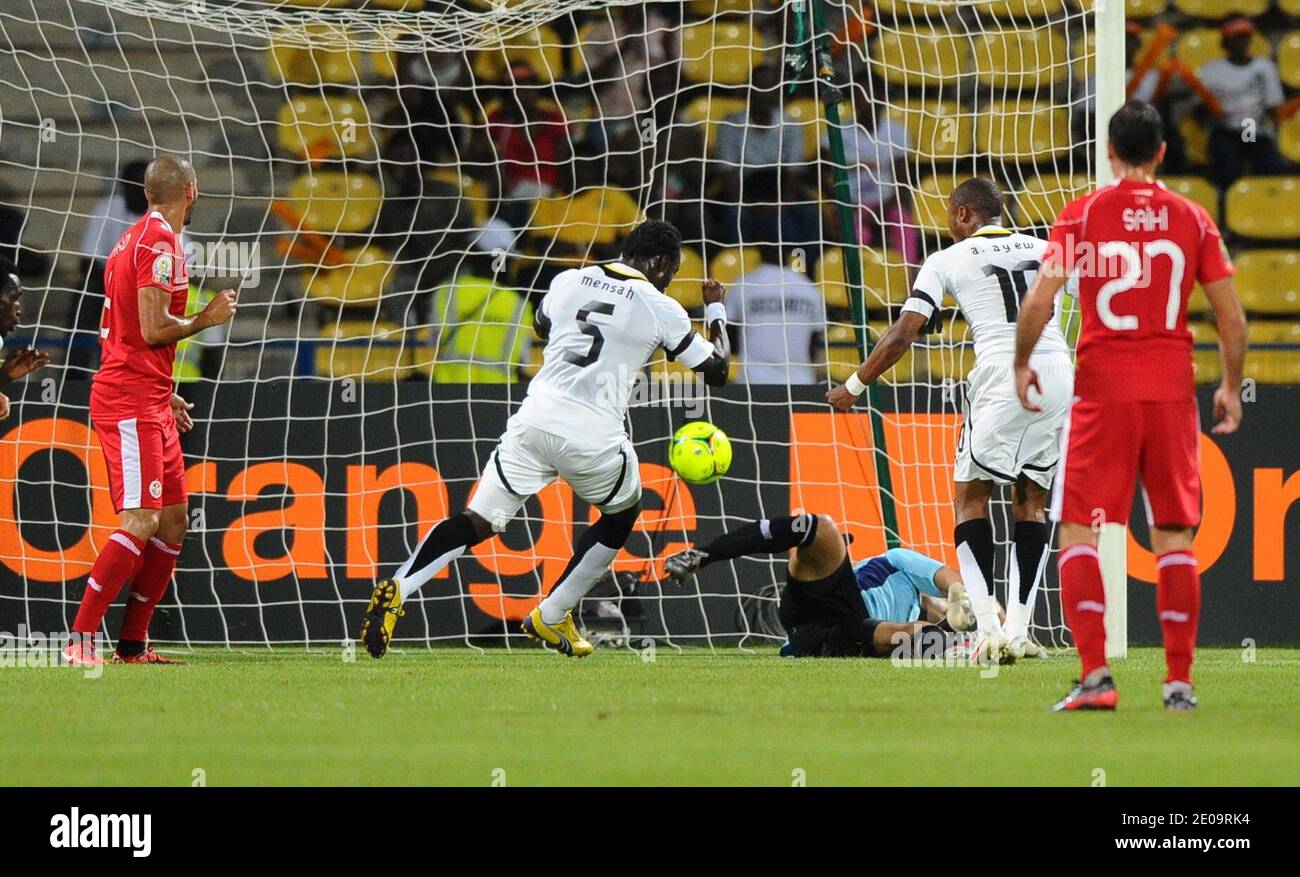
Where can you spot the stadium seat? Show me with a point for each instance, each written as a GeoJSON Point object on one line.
{"type": "Point", "coordinates": [884, 277]}
{"type": "Point", "coordinates": [729, 264]}
{"type": "Point", "coordinates": [1207, 367]}
{"type": "Point", "coordinates": [949, 363]}
{"type": "Point", "coordinates": [600, 215]}
{"type": "Point", "coordinates": [1203, 332]}
{"type": "Point", "coordinates": [924, 56]}
{"type": "Point", "coordinates": [1290, 7]}
{"type": "Point", "coordinates": [708, 8]}
{"type": "Point", "coordinates": [1020, 59]}
{"type": "Point", "coordinates": [930, 202]}
{"type": "Point", "coordinates": [721, 51]}
{"type": "Point", "coordinates": [707, 112]}
{"type": "Point", "coordinates": [808, 115]}
{"type": "Point", "coordinates": [1197, 303]}
{"type": "Point", "coordinates": [842, 356]}
{"type": "Point", "coordinates": [1198, 189]}
{"type": "Point", "coordinates": [325, 64]}
{"type": "Point", "coordinates": [1045, 197]}
{"type": "Point", "coordinates": [1201, 44]}
{"type": "Point", "coordinates": [1288, 58]}
{"type": "Point", "coordinates": [686, 284]}
{"type": "Point", "coordinates": [1022, 9]}
{"type": "Point", "coordinates": [1264, 207]}
{"type": "Point", "coordinates": [1023, 131]}
{"type": "Point", "coordinates": [1217, 10]}
{"type": "Point", "coordinates": [319, 4]}
{"type": "Point", "coordinates": [361, 280]}
{"type": "Point", "coordinates": [1196, 139]}
{"type": "Point", "coordinates": [325, 127]}
{"type": "Point", "coordinates": [342, 203]}
{"type": "Point", "coordinates": [1144, 8]}
{"type": "Point", "coordinates": [362, 348]}
{"type": "Point", "coordinates": [1275, 332]}
{"type": "Point", "coordinates": [394, 5]}
{"type": "Point", "coordinates": [1268, 281]}
{"type": "Point", "coordinates": [939, 130]}
{"type": "Point", "coordinates": [474, 192]}
{"type": "Point", "coordinates": [540, 49]}
{"type": "Point", "coordinates": [1273, 366]}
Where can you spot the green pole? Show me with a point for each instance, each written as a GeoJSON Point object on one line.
{"type": "Point", "coordinates": [832, 96]}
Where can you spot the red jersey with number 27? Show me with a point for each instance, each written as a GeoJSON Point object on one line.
{"type": "Point", "coordinates": [136, 373]}
{"type": "Point", "coordinates": [1137, 249]}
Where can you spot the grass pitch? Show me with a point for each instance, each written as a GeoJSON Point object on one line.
{"type": "Point", "coordinates": [456, 716]}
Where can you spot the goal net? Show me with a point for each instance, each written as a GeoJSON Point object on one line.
{"type": "Point", "coordinates": [390, 185]}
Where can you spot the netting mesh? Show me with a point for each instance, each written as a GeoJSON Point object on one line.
{"type": "Point", "coordinates": [391, 186]}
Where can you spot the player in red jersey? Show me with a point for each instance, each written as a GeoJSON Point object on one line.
{"type": "Point", "coordinates": [1137, 249]}
{"type": "Point", "coordinates": [137, 416]}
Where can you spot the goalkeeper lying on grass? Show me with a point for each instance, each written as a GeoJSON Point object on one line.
{"type": "Point", "coordinates": [831, 607]}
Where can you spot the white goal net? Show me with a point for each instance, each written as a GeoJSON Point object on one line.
{"type": "Point", "coordinates": [392, 183]}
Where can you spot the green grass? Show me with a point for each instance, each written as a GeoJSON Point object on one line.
{"type": "Point", "coordinates": [456, 716]}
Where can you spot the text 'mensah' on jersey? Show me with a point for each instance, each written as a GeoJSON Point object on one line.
{"type": "Point", "coordinates": [988, 274]}
{"type": "Point", "coordinates": [607, 321]}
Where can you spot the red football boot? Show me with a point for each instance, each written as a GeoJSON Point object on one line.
{"type": "Point", "coordinates": [80, 652]}
{"type": "Point", "coordinates": [148, 656]}
{"type": "Point", "coordinates": [1101, 695]}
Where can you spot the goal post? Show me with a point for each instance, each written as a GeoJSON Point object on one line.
{"type": "Point", "coordinates": [394, 182]}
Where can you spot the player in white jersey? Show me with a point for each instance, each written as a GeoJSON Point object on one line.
{"type": "Point", "coordinates": [987, 271]}
{"type": "Point", "coordinates": [601, 324]}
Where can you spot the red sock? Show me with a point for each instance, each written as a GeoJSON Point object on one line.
{"type": "Point", "coordinates": [148, 587]}
{"type": "Point", "coordinates": [1178, 602]}
{"type": "Point", "coordinates": [117, 562]}
{"type": "Point", "coordinates": [1084, 602]}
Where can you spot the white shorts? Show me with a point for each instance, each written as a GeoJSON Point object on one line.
{"type": "Point", "coordinates": [527, 459]}
{"type": "Point", "coordinates": [1001, 440]}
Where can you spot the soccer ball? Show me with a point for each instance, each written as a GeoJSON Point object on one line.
{"type": "Point", "coordinates": [700, 453]}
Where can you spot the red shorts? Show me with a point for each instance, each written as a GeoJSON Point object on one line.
{"type": "Point", "coordinates": [1108, 445]}
{"type": "Point", "coordinates": [146, 469]}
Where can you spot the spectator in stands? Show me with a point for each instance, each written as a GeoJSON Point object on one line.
{"type": "Point", "coordinates": [481, 330]}
{"type": "Point", "coordinates": [22, 362]}
{"type": "Point", "coordinates": [875, 150]}
{"type": "Point", "coordinates": [111, 216]}
{"type": "Point", "coordinates": [1249, 91]}
{"type": "Point", "coordinates": [778, 319]}
{"type": "Point", "coordinates": [430, 105]}
{"type": "Point", "coordinates": [760, 154]}
{"type": "Point", "coordinates": [531, 140]}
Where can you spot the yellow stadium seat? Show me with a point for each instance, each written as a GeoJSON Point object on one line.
{"type": "Point", "coordinates": [1268, 281]}
{"type": "Point", "coordinates": [1203, 332]}
{"type": "Point", "coordinates": [1290, 7]}
{"type": "Point", "coordinates": [721, 51]}
{"type": "Point", "coordinates": [1020, 59]}
{"type": "Point", "coordinates": [729, 264]}
{"type": "Point", "coordinates": [361, 348]}
{"type": "Point", "coordinates": [1288, 59]}
{"type": "Point", "coordinates": [930, 202]}
{"type": "Point", "coordinates": [949, 363]}
{"type": "Point", "coordinates": [686, 284]}
{"type": "Point", "coordinates": [1045, 197]}
{"type": "Point", "coordinates": [335, 202]}
{"type": "Point", "coordinates": [394, 5]}
{"type": "Point", "coordinates": [326, 127]}
{"type": "Point", "coordinates": [1201, 44]}
{"type": "Point", "coordinates": [1196, 139]}
{"type": "Point", "coordinates": [600, 215]}
{"type": "Point", "coordinates": [1144, 8]}
{"type": "Point", "coordinates": [1274, 332]}
{"type": "Point", "coordinates": [707, 8]}
{"type": "Point", "coordinates": [925, 56]}
{"type": "Point", "coordinates": [1023, 9]}
{"type": "Point", "coordinates": [807, 115]}
{"type": "Point", "coordinates": [707, 112]}
{"type": "Point", "coordinates": [319, 4]}
{"type": "Point", "coordinates": [472, 191]}
{"type": "Point", "coordinates": [1197, 303]}
{"type": "Point", "coordinates": [1207, 366]}
{"type": "Point", "coordinates": [1264, 207]}
{"type": "Point", "coordinates": [362, 279]}
{"type": "Point", "coordinates": [1023, 131]}
{"type": "Point", "coordinates": [884, 277]}
{"type": "Point", "coordinates": [540, 49]}
{"type": "Point", "coordinates": [842, 357]}
{"type": "Point", "coordinates": [1198, 189]}
{"type": "Point", "coordinates": [324, 61]}
{"type": "Point", "coordinates": [939, 130]}
{"type": "Point", "coordinates": [1273, 366]}
{"type": "Point", "coordinates": [1216, 10]}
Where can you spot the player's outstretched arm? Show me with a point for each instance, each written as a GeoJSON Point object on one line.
{"type": "Point", "coordinates": [889, 349]}
{"type": "Point", "coordinates": [1230, 320]}
{"type": "Point", "coordinates": [717, 367]}
{"type": "Point", "coordinates": [159, 326]}
{"type": "Point", "coordinates": [1035, 311]}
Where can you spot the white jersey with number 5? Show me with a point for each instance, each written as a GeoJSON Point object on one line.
{"type": "Point", "coordinates": [606, 322]}
{"type": "Point", "coordinates": [988, 274]}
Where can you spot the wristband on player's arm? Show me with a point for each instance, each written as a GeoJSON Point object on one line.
{"type": "Point", "coordinates": [715, 311]}
{"type": "Point", "coordinates": [854, 385]}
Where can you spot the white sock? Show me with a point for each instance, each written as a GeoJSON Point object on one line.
{"type": "Point", "coordinates": [1019, 615]}
{"type": "Point", "coordinates": [409, 582]}
{"type": "Point", "coordinates": [981, 601]}
{"type": "Point", "coordinates": [581, 579]}
{"type": "Point", "coordinates": [1017, 623]}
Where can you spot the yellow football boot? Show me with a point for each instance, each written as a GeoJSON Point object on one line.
{"type": "Point", "coordinates": [381, 617]}
{"type": "Point", "coordinates": [562, 637]}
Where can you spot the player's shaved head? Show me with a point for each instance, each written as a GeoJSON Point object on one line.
{"type": "Point", "coordinates": [166, 179]}
{"type": "Point", "coordinates": [980, 196]}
